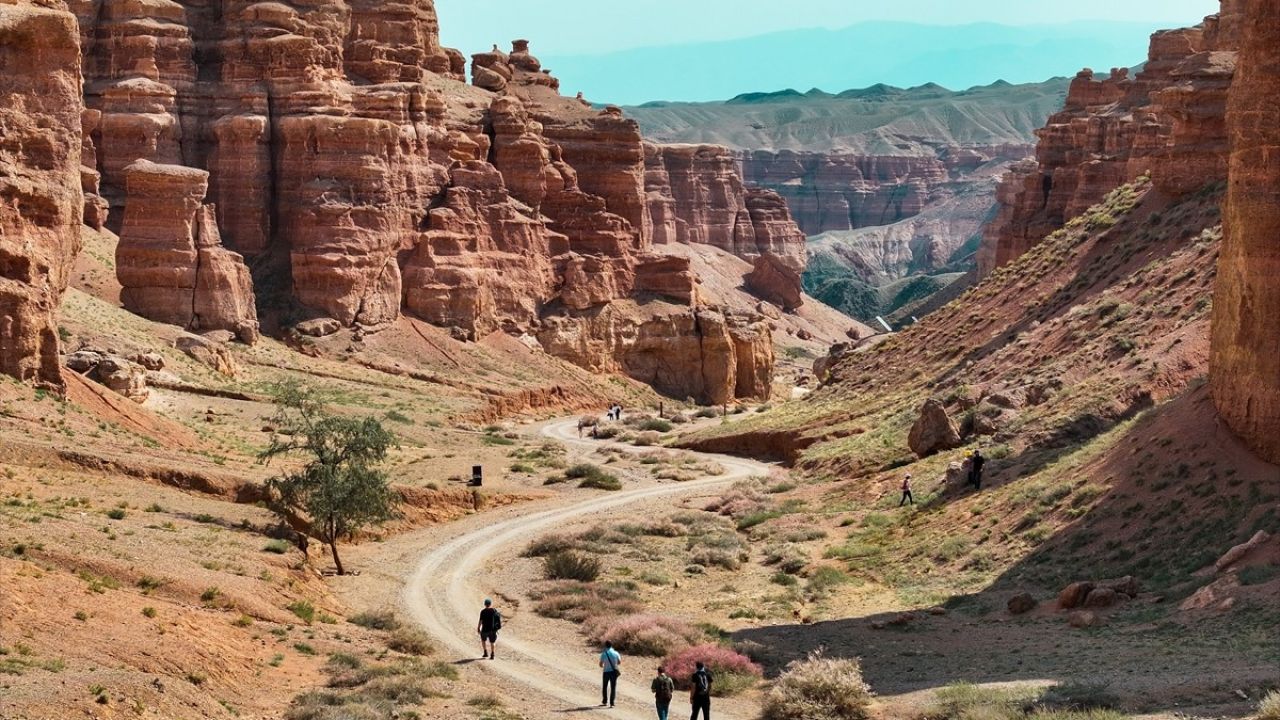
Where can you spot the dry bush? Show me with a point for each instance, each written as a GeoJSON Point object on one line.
{"type": "Point", "coordinates": [579, 602]}
{"type": "Point", "coordinates": [742, 499]}
{"type": "Point", "coordinates": [1269, 708]}
{"type": "Point", "coordinates": [818, 688]}
{"type": "Point", "coordinates": [647, 635]}
{"type": "Point", "coordinates": [732, 670]}
{"type": "Point", "coordinates": [711, 557]}
{"type": "Point", "coordinates": [570, 565]}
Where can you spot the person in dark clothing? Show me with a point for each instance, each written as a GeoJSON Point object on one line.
{"type": "Point", "coordinates": [700, 695]}
{"type": "Point", "coordinates": [975, 469]}
{"type": "Point", "coordinates": [664, 688]}
{"type": "Point", "coordinates": [488, 627]}
{"type": "Point", "coordinates": [906, 491]}
{"type": "Point", "coordinates": [610, 663]}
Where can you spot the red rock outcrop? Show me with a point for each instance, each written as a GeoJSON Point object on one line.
{"type": "Point", "coordinates": [774, 279]}
{"type": "Point", "coordinates": [1167, 122]}
{"type": "Point", "coordinates": [346, 159]}
{"type": "Point", "coordinates": [41, 201]}
{"type": "Point", "coordinates": [170, 261]}
{"type": "Point", "coordinates": [1245, 372]}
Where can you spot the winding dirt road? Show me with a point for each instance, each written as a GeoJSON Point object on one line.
{"type": "Point", "coordinates": [447, 576]}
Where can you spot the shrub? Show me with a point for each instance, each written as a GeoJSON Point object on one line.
{"type": "Point", "coordinates": [716, 558]}
{"type": "Point", "coordinates": [116, 514]}
{"type": "Point", "coordinates": [656, 425]}
{"type": "Point", "coordinates": [592, 476]}
{"type": "Point", "coordinates": [732, 670]}
{"type": "Point", "coordinates": [646, 439]}
{"type": "Point", "coordinates": [570, 565]}
{"type": "Point", "coordinates": [579, 602]}
{"type": "Point", "coordinates": [410, 641]}
{"type": "Point", "coordinates": [548, 545]}
{"type": "Point", "coordinates": [210, 594]}
{"type": "Point", "coordinates": [707, 412]}
{"type": "Point", "coordinates": [960, 701]}
{"type": "Point", "coordinates": [647, 635]}
{"type": "Point", "coordinates": [818, 688]}
{"type": "Point", "coordinates": [1269, 708]}
{"type": "Point", "coordinates": [276, 547]}
{"type": "Point", "coordinates": [380, 620]}
{"type": "Point", "coordinates": [304, 610]}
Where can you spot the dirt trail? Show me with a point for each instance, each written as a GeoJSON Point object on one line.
{"type": "Point", "coordinates": [448, 573]}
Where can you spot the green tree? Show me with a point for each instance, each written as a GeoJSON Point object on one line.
{"type": "Point", "coordinates": [339, 489]}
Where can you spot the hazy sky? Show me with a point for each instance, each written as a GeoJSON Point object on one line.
{"type": "Point", "coordinates": [564, 27]}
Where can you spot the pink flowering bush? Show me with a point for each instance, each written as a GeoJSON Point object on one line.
{"type": "Point", "coordinates": [732, 671]}
{"type": "Point", "coordinates": [648, 635]}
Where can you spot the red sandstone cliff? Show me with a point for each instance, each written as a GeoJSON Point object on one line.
{"type": "Point", "coordinates": [335, 148]}
{"type": "Point", "coordinates": [1246, 337]}
{"type": "Point", "coordinates": [41, 201]}
{"type": "Point", "coordinates": [1167, 122]}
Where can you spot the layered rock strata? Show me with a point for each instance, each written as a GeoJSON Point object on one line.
{"type": "Point", "coordinates": [334, 148]}
{"type": "Point", "coordinates": [41, 200]}
{"type": "Point", "coordinates": [1246, 339]}
{"type": "Point", "coordinates": [170, 261]}
{"type": "Point", "coordinates": [1168, 122]}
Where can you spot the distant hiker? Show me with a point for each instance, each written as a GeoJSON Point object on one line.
{"type": "Point", "coordinates": [610, 663]}
{"type": "Point", "coordinates": [700, 694]}
{"type": "Point", "coordinates": [906, 491]}
{"type": "Point", "coordinates": [664, 688]}
{"type": "Point", "coordinates": [975, 469]}
{"type": "Point", "coordinates": [617, 412]}
{"type": "Point", "coordinates": [488, 627]}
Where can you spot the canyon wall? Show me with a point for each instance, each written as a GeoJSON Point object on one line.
{"type": "Point", "coordinates": [1246, 338]}
{"type": "Point", "coordinates": [1167, 122]}
{"type": "Point", "coordinates": [41, 197]}
{"type": "Point", "coordinates": [329, 160]}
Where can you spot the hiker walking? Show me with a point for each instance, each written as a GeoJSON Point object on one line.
{"type": "Point", "coordinates": [610, 662]}
{"type": "Point", "coordinates": [906, 491]}
{"type": "Point", "coordinates": [975, 469]}
{"type": "Point", "coordinates": [664, 688]}
{"type": "Point", "coordinates": [488, 627]}
{"type": "Point", "coordinates": [700, 694]}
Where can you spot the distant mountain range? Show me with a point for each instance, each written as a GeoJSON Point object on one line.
{"type": "Point", "coordinates": [877, 120]}
{"type": "Point", "coordinates": [894, 53]}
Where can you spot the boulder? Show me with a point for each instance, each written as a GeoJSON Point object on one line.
{"type": "Point", "coordinates": [149, 361]}
{"type": "Point", "coordinates": [1101, 597]}
{"type": "Point", "coordinates": [934, 431]}
{"type": "Point", "coordinates": [1083, 619]}
{"type": "Point", "coordinates": [772, 280]}
{"type": "Point", "coordinates": [213, 354]}
{"type": "Point", "coordinates": [1022, 604]}
{"type": "Point", "coordinates": [318, 327]}
{"type": "Point", "coordinates": [123, 377]}
{"type": "Point", "coordinates": [83, 361]}
{"type": "Point", "coordinates": [1239, 552]}
{"type": "Point", "coordinates": [1074, 595]}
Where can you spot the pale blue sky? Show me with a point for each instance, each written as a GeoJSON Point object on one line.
{"type": "Point", "coordinates": [567, 27]}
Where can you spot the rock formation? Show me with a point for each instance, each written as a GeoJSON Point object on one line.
{"type": "Point", "coordinates": [170, 261]}
{"type": "Point", "coordinates": [1168, 122]}
{"type": "Point", "coordinates": [1246, 339]}
{"type": "Point", "coordinates": [934, 431]}
{"type": "Point", "coordinates": [774, 279]}
{"type": "Point", "coordinates": [41, 201]}
{"type": "Point", "coordinates": [335, 149]}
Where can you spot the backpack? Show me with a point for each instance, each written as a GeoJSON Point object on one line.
{"type": "Point", "coordinates": [497, 621]}
{"type": "Point", "coordinates": [702, 683]}
{"type": "Point", "coordinates": [666, 689]}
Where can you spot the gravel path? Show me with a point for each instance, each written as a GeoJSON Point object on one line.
{"type": "Point", "coordinates": [448, 574]}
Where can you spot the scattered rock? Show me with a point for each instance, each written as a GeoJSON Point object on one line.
{"type": "Point", "coordinates": [1083, 619]}
{"type": "Point", "coordinates": [1022, 604]}
{"type": "Point", "coordinates": [150, 361]}
{"type": "Point", "coordinates": [319, 327]}
{"type": "Point", "coordinates": [219, 336]}
{"type": "Point", "coordinates": [902, 620]}
{"type": "Point", "coordinates": [934, 431]}
{"type": "Point", "coordinates": [1238, 553]}
{"type": "Point", "coordinates": [123, 377]}
{"type": "Point", "coordinates": [1074, 595]}
{"type": "Point", "coordinates": [1100, 598]}
{"type": "Point", "coordinates": [215, 355]}
{"type": "Point", "coordinates": [83, 361]}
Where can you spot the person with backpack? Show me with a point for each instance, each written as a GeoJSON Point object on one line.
{"type": "Point", "coordinates": [488, 627]}
{"type": "Point", "coordinates": [610, 663]}
{"type": "Point", "coordinates": [664, 688]}
{"type": "Point", "coordinates": [700, 694]}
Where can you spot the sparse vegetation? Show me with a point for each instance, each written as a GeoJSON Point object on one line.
{"type": "Point", "coordinates": [733, 671]}
{"type": "Point", "coordinates": [818, 688]}
{"type": "Point", "coordinates": [571, 565]}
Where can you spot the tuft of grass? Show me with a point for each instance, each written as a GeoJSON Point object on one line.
{"type": "Point", "coordinates": [818, 688]}
{"type": "Point", "coordinates": [276, 547]}
{"type": "Point", "coordinates": [304, 610]}
{"type": "Point", "coordinates": [1269, 708]}
{"type": "Point", "coordinates": [380, 620]}
{"type": "Point", "coordinates": [116, 513]}
{"type": "Point", "coordinates": [410, 641]}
